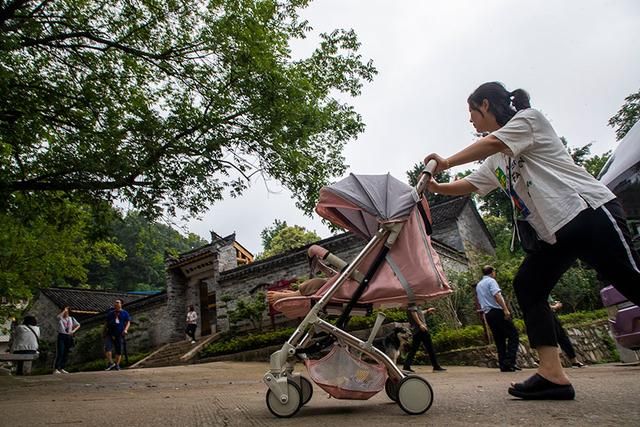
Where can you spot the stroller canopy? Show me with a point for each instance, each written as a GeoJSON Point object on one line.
{"type": "Point", "coordinates": [359, 203]}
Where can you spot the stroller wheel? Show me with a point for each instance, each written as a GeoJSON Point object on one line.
{"type": "Point", "coordinates": [415, 395]}
{"type": "Point", "coordinates": [288, 408]}
{"type": "Point", "coordinates": [391, 387]}
{"type": "Point", "coordinates": [307, 390]}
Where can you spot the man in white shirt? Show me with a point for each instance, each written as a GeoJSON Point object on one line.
{"type": "Point", "coordinates": [498, 318]}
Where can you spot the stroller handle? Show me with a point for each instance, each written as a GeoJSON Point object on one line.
{"type": "Point", "coordinates": [426, 175]}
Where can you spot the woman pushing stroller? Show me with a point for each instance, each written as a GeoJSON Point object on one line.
{"type": "Point", "coordinates": [574, 216]}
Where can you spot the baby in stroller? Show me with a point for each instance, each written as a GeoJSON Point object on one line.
{"type": "Point", "coordinates": [397, 267]}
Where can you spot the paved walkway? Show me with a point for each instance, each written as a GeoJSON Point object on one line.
{"type": "Point", "coordinates": [232, 394]}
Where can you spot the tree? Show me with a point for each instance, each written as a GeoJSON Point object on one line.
{"type": "Point", "coordinates": [269, 233]}
{"type": "Point", "coordinates": [145, 243]}
{"type": "Point", "coordinates": [168, 105]}
{"type": "Point", "coordinates": [251, 309]}
{"type": "Point", "coordinates": [284, 238]}
{"type": "Point", "coordinates": [414, 174]}
{"type": "Point", "coordinates": [627, 116]}
{"type": "Point", "coordinates": [48, 244]}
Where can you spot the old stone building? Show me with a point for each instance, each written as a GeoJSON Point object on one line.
{"type": "Point", "coordinates": [210, 279]}
{"type": "Point", "coordinates": [84, 304]}
{"type": "Point", "coordinates": [214, 277]}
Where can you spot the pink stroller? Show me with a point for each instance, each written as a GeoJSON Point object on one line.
{"type": "Point", "coordinates": [397, 267]}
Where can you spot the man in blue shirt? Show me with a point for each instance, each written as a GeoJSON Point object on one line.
{"type": "Point", "coordinates": [498, 318]}
{"type": "Point", "coordinates": [117, 327]}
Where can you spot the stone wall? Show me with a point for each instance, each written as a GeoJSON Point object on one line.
{"type": "Point", "coordinates": [45, 312]}
{"type": "Point", "coordinates": [592, 344]}
{"type": "Point", "coordinates": [150, 328]}
{"type": "Point", "coordinates": [245, 281]}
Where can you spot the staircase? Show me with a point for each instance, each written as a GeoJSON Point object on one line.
{"type": "Point", "coordinates": [176, 353]}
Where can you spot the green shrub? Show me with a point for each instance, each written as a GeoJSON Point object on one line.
{"type": "Point", "coordinates": [582, 317]}
{"type": "Point", "coordinates": [451, 339]}
{"type": "Point", "coordinates": [247, 342]}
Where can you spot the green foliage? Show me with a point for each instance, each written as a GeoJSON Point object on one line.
{"type": "Point", "coordinates": [251, 309]}
{"type": "Point", "coordinates": [458, 308]}
{"type": "Point", "coordinates": [580, 155]}
{"type": "Point", "coordinates": [451, 339]}
{"type": "Point", "coordinates": [146, 244]}
{"type": "Point", "coordinates": [583, 317]}
{"type": "Point", "coordinates": [414, 173]}
{"type": "Point", "coordinates": [444, 339]}
{"type": "Point", "coordinates": [90, 345]}
{"type": "Point", "coordinates": [578, 289]}
{"type": "Point", "coordinates": [47, 242]}
{"type": "Point", "coordinates": [281, 238]}
{"type": "Point", "coordinates": [269, 233]}
{"type": "Point", "coordinates": [168, 105]}
{"type": "Point", "coordinates": [627, 116]}
{"type": "Point", "coordinates": [594, 164]}
{"type": "Point", "coordinates": [248, 342]}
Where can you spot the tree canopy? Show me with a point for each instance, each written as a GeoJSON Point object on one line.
{"type": "Point", "coordinates": [627, 116]}
{"type": "Point", "coordinates": [145, 244]}
{"type": "Point", "coordinates": [281, 238]}
{"type": "Point", "coordinates": [171, 104]}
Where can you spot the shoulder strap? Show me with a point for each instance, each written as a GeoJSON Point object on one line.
{"type": "Point", "coordinates": [513, 207]}
{"type": "Point", "coordinates": [34, 334]}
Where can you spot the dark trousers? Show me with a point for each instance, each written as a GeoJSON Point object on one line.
{"type": "Point", "coordinates": [191, 330]}
{"type": "Point", "coordinates": [424, 338]}
{"type": "Point", "coordinates": [505, 336]}
{"type": "Point", "coordinates": [563, 339]}
{"type": "Point", "coordinates": [599, 237]}
{"type": "Point", "coordinates": [62, 351]}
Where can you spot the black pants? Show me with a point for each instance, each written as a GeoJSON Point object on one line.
{"type": "Point", "coordinates": [600, 237]}
{"type": "Point", "coordinates": [62, 350]}
{"type": "Point", "coordinates": [563, 339]}
{"type": "Point", "coordinates": [191, 330]}
{"type": "Point", "coordinates": [424, 338]}
{"type": "Point", "coordinates": [505, 336]}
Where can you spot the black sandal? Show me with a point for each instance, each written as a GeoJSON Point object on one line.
{"type": "Point", "coordinates": [537, 387]}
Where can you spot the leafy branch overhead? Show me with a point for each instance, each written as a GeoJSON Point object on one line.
{"type": "Point", "coordinates": [171, 104]}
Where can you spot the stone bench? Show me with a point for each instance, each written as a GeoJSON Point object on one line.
{"type": "Point", "coordinates": [23, 361]}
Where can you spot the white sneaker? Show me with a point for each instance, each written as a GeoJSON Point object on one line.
{"type": "Point", "coordinates": [110, 367]}
{"type": "Point", "coordinates": [63, 371]}
{"type": "Point", "coordinates": [56, 372]}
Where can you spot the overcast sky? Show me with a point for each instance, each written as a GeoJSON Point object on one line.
{"type": "Point", "coordinates": [577, 59]}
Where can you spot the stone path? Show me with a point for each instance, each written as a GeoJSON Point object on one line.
{"type": "Point", "coordinates": [232, 394]}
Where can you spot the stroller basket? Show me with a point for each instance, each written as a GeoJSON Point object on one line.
{"type": "Point", "coordinates": [344, 376]}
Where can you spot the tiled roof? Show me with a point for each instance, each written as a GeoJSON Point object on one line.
{"type": "Point", "coordinates": [447, 210]}
{"type": "Point", "coordinates": [87, 302]}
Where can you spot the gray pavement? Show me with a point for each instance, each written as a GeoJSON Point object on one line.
{"type": "Point", "coordinates": [232, 394]}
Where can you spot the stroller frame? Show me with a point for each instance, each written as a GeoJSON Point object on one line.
{"type": "Point", "coordinates": [288, 392]}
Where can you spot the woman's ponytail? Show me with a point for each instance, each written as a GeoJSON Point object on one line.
{"type": "Point", "coordinates": [502, 103]}
{"type": "Point", "coordinates": [520, 99]}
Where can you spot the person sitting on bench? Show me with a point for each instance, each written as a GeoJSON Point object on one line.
{"type": "Point", "coordinates": [26, 338]}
